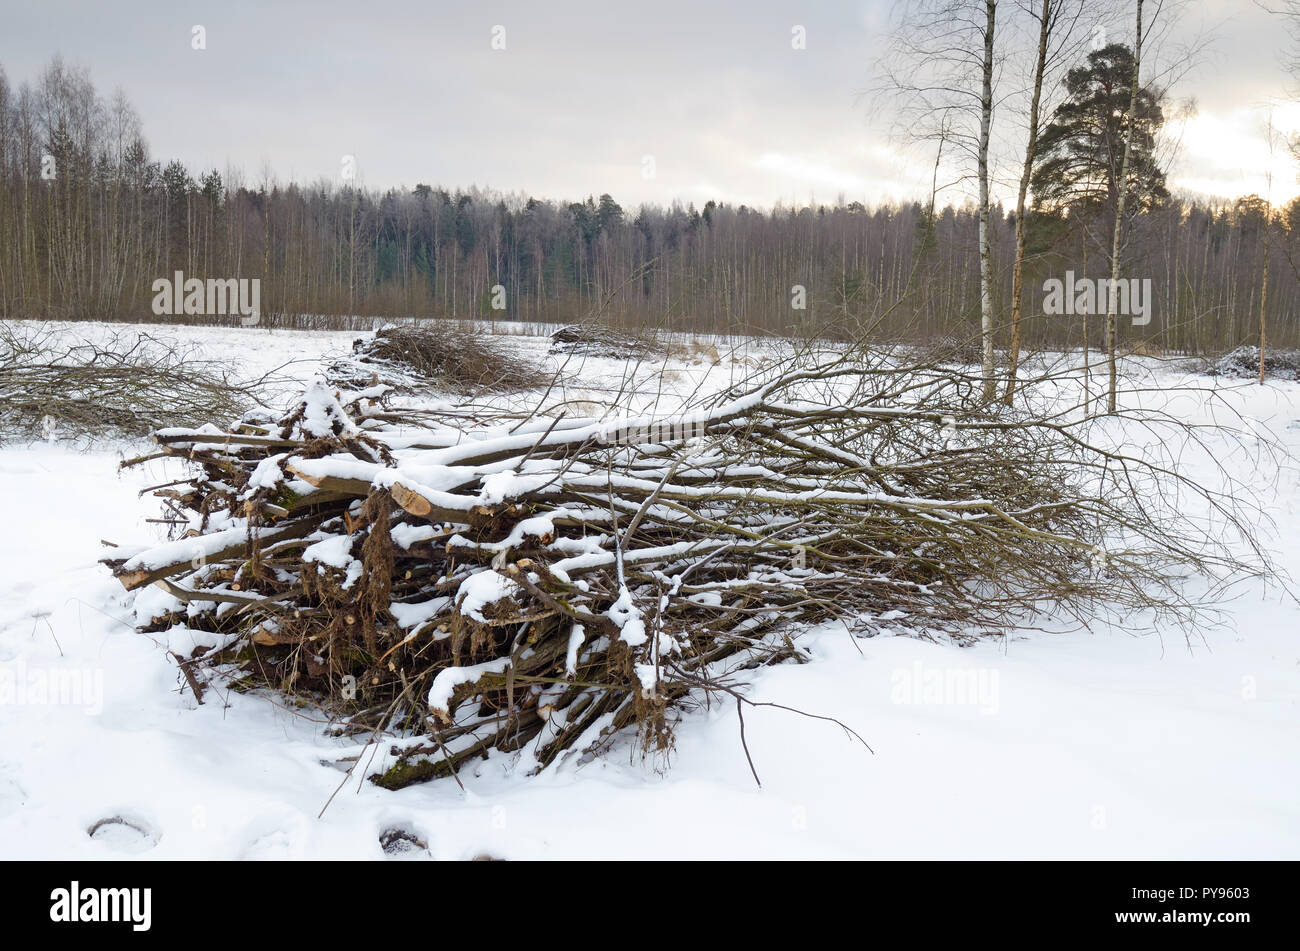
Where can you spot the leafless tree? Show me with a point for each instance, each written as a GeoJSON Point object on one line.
{"type": "Point", "coordinates": [1112, 297]}
{"type": "Point", "coordinates": [941, 74]}
{"type": "Point", "coordinates": [1058, 42]}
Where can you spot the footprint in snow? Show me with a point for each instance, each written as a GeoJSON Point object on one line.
{"type": "Point", "coordinates": [278, 835]}
{"type": "Point", "coordinates": [277, 844]}
{"type": "Point", "coordinates": [403, 845]}
{"type": "Point", "coordinates": [120, 834]}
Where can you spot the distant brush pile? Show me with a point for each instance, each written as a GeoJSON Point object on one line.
{"type": "Point", "coordinates": [533, 584]}
{"type": "Point", "coordinates": [1243, 363]}
{"type": "Point", "coordinates": [432, 356]}
{"type": "Point", "coordinates": [60, 385]}
{"type": "Point", "coordinates": [595, 339]}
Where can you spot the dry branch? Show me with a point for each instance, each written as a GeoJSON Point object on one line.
{"type": "Point", "coordinates": [129, 384]}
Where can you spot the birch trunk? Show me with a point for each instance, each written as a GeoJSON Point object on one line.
{"type": "Point", "coordinates": [1017, 284]}
{"type": "Point", "coordinates": [1119, 214]}
{"type": "Point", "coordinates": [986, 120]}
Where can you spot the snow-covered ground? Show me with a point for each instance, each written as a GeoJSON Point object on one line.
{"type": "Point", "coordinates": [1095, 744]}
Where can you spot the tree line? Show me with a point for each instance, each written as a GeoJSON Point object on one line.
{"type": "Point", "coordinates": [89, 220]}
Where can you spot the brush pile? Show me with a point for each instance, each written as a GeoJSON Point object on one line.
{"type": "Point", "coordinates": [595, 339]}
{"type": "Point", "coordinates": [533, 583]}
{"type": "Point", "coordinates": [1243, 364]}
{"type": "Point", "coordinates": [128, 383]}
{"type": "Point", "coordinates": [952, 349]}
{"type": "Point", "coordinates": [434, 356]}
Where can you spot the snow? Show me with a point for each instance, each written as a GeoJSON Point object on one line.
{"type": "Point", "coordinates": [498, 487]}
{"type": "Point", "coordinates": [197, 549]}
{"type": "Point", "coordinates": [452, 677]}
{"type": "Point", "coordinates": [332, 550]}
{"type": "Point", "coordinates": [479, 590]}
{"type": "Point", "coordinates": [648, 675]}
{"type": "Point", "coordinates": [336, 552]}
{"type": "Point", "coordinates": [323, 416]}
{"type": "Point", "coordinates": [625, 614]}
{"type": "Point", "coordinates": [413, 615]}
{"type": "Point", "coordinates": [576, 637]}
{"type": "Point", "coordinates": [268, 473]}
{"type": "Point", "coordinates": [406, 534]}
{"type": "Point", "coordinates": [538, 526]}
{"type": "Point", "coordinates": [1054, 744]}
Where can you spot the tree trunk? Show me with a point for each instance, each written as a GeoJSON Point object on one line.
{"type": "Point", "coordinates": [1263, 296]}
{"type": "Point", "coordinates": [986, 120]}
{"type": "Point", "coordinates": [1119, 213]}
{"type": "Point", "coordinates": [1087, 355]}
{"type": "Point", "coordinates": [1017, 283]}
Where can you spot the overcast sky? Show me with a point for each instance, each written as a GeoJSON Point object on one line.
{"type": "Point", "coordinates": [581, 95]}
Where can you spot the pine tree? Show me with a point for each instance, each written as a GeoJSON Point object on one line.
{"type": "Point", "coordinates": [1082, 149]}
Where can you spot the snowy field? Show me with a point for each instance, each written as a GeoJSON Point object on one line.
{"type": "Point", "coordinates": [1083, 744]}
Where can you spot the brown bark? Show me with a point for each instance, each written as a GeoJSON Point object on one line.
{"type": "Point", "coordinates": [1017, 285]}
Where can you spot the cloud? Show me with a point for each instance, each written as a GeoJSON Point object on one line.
{"type": "Point", "coordinates": [804, 171]}
{"type": "Point", "coordinates": [581, 93]}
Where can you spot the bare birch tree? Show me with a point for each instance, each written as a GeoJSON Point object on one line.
{"type": "Point", "coordinates": [1268, 229]}
{"type": "Point", "coordinates": [941, 74]}
{"type": "Point", "coordinates": [1057, 22]}
{"type": "Point", "coordinates": [1112, 297]}
{"type": "Point", "coordinates": [986, 268]}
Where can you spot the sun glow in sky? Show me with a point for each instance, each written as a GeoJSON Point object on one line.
{"type": "Point", "coordinates": [1228, 153]}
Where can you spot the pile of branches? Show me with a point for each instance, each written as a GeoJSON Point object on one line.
{"type": "Point", "coordinates": [595, 339]}
{"type": "Point", "coordinates": [951, 349]}
{"type": "Point", "coordinates": [1243, 363]}
{"type": "Point", "coordinates": [533, 584]}
{"type": "Point", "coordinates": [414, 358]}
{"type": "Point", "coordinates": [130, 383]}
